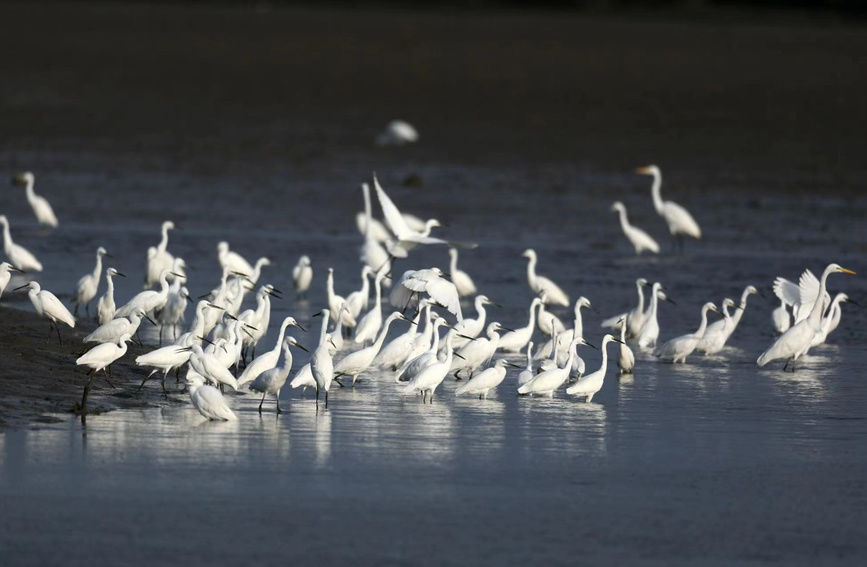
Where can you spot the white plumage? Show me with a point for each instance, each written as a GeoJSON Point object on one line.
{"type": "Point", "coordinates": [640, 240]}
{"type": "Point", "coordinates": [484, 381]}
{"type": "Point", "coordinates": [430, 281]}
{"type": "Point", "coordinates": [40, 205]}
{"type": "Point", "coordinates": [678, 219]}
{"type": "Point", "coordinates": [553, 294]}
{"type": "Point", "coordinates": [678, 348]}
{"type": "Point", "coordinates": [18, 256]}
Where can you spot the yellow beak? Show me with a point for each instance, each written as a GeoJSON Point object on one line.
{"type": "Point", "coordinates": [845, 271]}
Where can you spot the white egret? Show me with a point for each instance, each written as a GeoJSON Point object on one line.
{"type": "Point", "coordinates": [545, 382]}
{"type": "Point", "coordinates": [47, 305]}
{"type": "Point", "coordinates": [587, 386]}
{"type": "Point", "coordinates": [357, 362]}
{"type": "Point", "coordinates": [258, 320]}
{"type": "Point", "coordinates": [158, 257]}
{"type": "Point", "coordinates": [303, 378]}
{"type": "Point", "coordinates": [377, 230]}
{"type": "Point", "coordinates": [372, 253]}
{"type": "Point", "coordinates": [232, 260]}
{"type": "Point", "coordinates": [717, 333]}
{"type": "Point", "coordinates": [560, 340]}
{"type": "Point", "coordinates": [302, 275]}
{"type": "Point", "coordinates": [415, 364]}
{"type": "Point", "coordinates": [208, 400]}
{"type": "Point", "coordinates": [272, 380]}
{"type": "Point", "coordinates": [148, 300]}
{"type": "Point", "coordinates": [172, 313]}
{"type": "Point", "coordinates": [677, 349]}
{"type": "Point", "coordinates": [167, 358]}
{"type": "Point", "coordinates": [111, 331]}
{"type": "Point", "coordinates": [359, 300]}
{"type": "Point", "coordinates": [5, 275]}
{"type": "Point", "coordinates": [336, 302]}
{"type": "Point", "coordinates": [527, 374]}
{"type": "Point", "coordinates": [210, 366]}
{"type": "Point", "coordinates": [634, 317]}
{"type": "Point", "coordinates": [626, 360]}
{"type": "Point", "coordinates": [105, 307]}
{"type": "Point", "coordinates": [397, 133]}
{"type": "Point", "coordinates": [321, 363]}
{"type": "Point", "coordinates": [649, 332]}
{"type": "Point", "coordinates": [477, 352]}
{"type": "Point", "coordinates": [742, 306]}
{"type": "Point", "coordinates": [370, 324]}
{"type": "Point", "coordinates": [515, 341]}
{"type": "Point", "coordinates": [781, 318]}
{"type": "Point", "coordinates": [468, 329]}
{"type": "Point", "coordinates": [802, 296]}
{"type": "Point", "coordinates": [431, 376]}
{"type": "Point", "coordinates": [407, 238]}
{"type": "Point", "coordinates": [99, 358]}
{"type": "Point", "coordinates": [549, 323]}
{"type": "Point", "coordinates": [640, 240]}
{"type": "Point", "coordinates": [678, 219]}
{"type": "Point", "coordinates": [40, 205]}
{"type": "Point", "coordinates": [484, 381]}
{"type": "Point", "coordinates": [553, 294]}
{"type": "Point", "coordinates": [87, 286]}
{"type": "Point", "coordinates": [335, 337]}
{"type": "Point", "coordinates": [463, 282]}
{"type": "Point", "coordinates": [830, 320]}
{"type": "Point", "coordinates": [792, 344]}
{"type": "Point", "coordinates": [18, 256]}
{"type": "Point", "coordinates": [395, 352]}
{"type": "Point", "coordinates": [430, 281]}
{"type": "Point", "coordinates": [268, 360]}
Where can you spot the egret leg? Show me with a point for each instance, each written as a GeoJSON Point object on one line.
{"type": "Point", "coordinates": [326, 398]}
{"type": "Point", "coordinates": [87, 310]}
{"type": "Point", "coordinates": [75, 311]}
{"type": "Point", "coordinates": [107, 374]}
{"type": "Point", "coordinates": [59, 338]}
{"type": "Point", "coordinates": [317, 397]}
{"type": "Point", "coordinates": [279, 411]}
{"type": "Point", "coordinates": [83, 406]}
{"type": "Point", "coordinates": [262, 401]}
{"type": "Point", "coordinates": [163, 384]}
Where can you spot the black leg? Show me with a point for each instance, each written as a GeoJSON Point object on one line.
{"type": "Point", "coordinates": [83, 406]}
{"type": "Point", "coordinates": [57, 328]}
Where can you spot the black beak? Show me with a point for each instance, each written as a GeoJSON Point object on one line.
{"type": "Point", "coordinates": [507, 329]}
{"type": "Point", "coordinates": [302, 347]}
{"type": "Point", "coordinates": [514, 365]}
{"type": "Point", "coordinates": [466, 337]}
{"type": "Point", "coordinates": [317, 314]}
{"type": "Point", "coordinates": [459, 356]}
{"type": "Point", "coordinates": [14, 269]}
{"type": "Point", "coordinates": [149, 319]}
{"type": "Point", "coordinates": [119, 274]}
{"type": "Point", "coordinates": [670, 301]}
{"type": "Point", "coordinates": [215, 306]}
{"type": "Point", "coordinates": [204, 339]}
{"type": "Point", "coordinates": [21, 287]}
{"type": "Point", "coordinates": [853, 302]}
{"type": "Point", "coordinates": [410, 321]}
{"type": "Point", "coordinates": [300, 326]}
{"type": "Point", "coordinates": [204, 295]}
{"type": "Point", "coordinates": [590, 345]}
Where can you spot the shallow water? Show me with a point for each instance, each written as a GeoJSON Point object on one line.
{"type": "Point", "coordinates": [714, 461]}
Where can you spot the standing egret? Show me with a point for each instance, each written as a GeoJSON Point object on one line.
{"type": "Point", "coordinates": [18, 256]}
{"type": "Point", "coordinates": [105, 307]}
{"type": "Point", "coordinates": [259, 319]}
{"type": "Point", "coordinates": [268, 359]}
{"type": "Point", "coordinates": [335, 337]}
{"type": "Point", "coordinates": [173, 311]}
{"type": "Point", "coordinates": [40, 205]}
{"type": "Point", "coordinates": [477, 352]}
{"type": "Point", "coordinates": [649, 332]}
{"type": "Point", "coordinates": [302, 275]}
{"type": "Point", "coordinates": [781, 318]}
{"type": "Point", "coordinates": [359, 300]}
{"type": "Point", "coordinates": [167, 358]}
{"type": "Point", "coordinates": [111, 331]}
{"type": "Point", "coordinates": [88, 285]}
{"type": "Point", "coordinates": [272, 380]}
{"type": "Point", "coordinates": [208, 400]}
{"type": "Point", "coordinates": [47, 305]}
{"type": "Point", "coordinates": [370, 324]}
{"type": "Point", "coordinates": [99, 358]}
{"type": "Point", "coordinates": [336, 302]}
{"type": "Point", "coordinates": [209, 366]}
{"type": "Point", "coordinates": [515, 341]}
{"type": "Point", "coordinates": [303, 378]}
{"type": "Point", "coordinates": [739, 312]}
{"type": "Point", "coordinates": [548, 323]}
{"type": "Point", "coordinates": [484, 381]}
{"type": "Point", "coordinates": [148, 300]}
{"type": "Point", "coordinates": [792, 344]}
{"type": "Point", "coordinates": [415, 364]}
{"type": "Point", "coordinates": [232, 260]}
{"type": "Point", "coordinates": [527, 374]}
{"type": "Point", "coordinates": [463, 282]}
{"type": "Point", "coordinates": [158, 257]}
{"type": "Point", "coordinates": [545, 382]}
{"type": "Point", "coordinates": [553, 294]}
{"type": "Point", "coordinates": [587, 386]}
{"type": "Point", "coordinates": [5, 275]}
{"type": "Point", "coordinates": [831, 319]}
{"type": "Point", "coordinates": [640, 240]}
{"type": "Point", "coordinates": [468, 329]}
{"type": "Point", "coordinates": [430, 281]}
{"type": "Point", "coordinates": [680, 222]}
{"type": "Point", "coordinates": [321, 363]}
{"type": "Point", "coordinates": [357, 362]}
{"type": "Point", "coordinates": [626, 360]}
{"type": "Point", "coordinates": [717, 333]}
{"type": "Point", "coordinates": [431, 376]}
{"type": "Point", "coordinates": [395, 352]}
{"type": "Point", "coordinates": [634, 317]}
{"type": "Point", "coordinates": [678, 348]}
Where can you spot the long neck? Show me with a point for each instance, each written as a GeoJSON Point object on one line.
{"type": "Point", "coordinates": [31, 194]}
{"type": "Point", "coordinates": [624, 222]}
{"type": "Point", "coordinates": [367, 213]}
{"type": "Point", "coordinates": [530, 356]}
{"type": "Point", "coordinates": [282, 333]}
{"type": "Point", "coordinates": [164, 241]}
{"type": "Point", "coordinates": [655, 191]}
{"type": "Point", "coordinates": [703, 325]}
{"type": "Point", "coordinates": [338, 326]}
{"type": "Point", "coordinates": [640, 298]}
{"type": "Point", "coordinates": [815, 316]}
{"type": "Point", "coordinates": [578, 324]}
{"type": "Point", "coordinates": [623, 331]}
{"type": "Point", "coordinates": [435, 345]}
{"type": "Point", "coordinates": [453, 263]}
{"type": "Point", "coordinates": [736, 317]}
{"type": "Point", "coordinates": [532, 321]}
{"type": "Point", "coordinates": [330, 285]}
{"type": "Point", "coordinates": [378, 288]}
{"type": "Point", "coordinates": [604, 366]}
{"type": "Point", "coordinates": [382, 333]}
{"type": "Point", "coordinates": [654, 302]}
{"type": "Point", "coordinates": [531, 270]}
{"type": "Point", "coordinates": [323, 330]}
{"type": "Point", "coordinates": [482, 313]}
{"type": "Point", "coordinates": [7, 236]}
{"type": "Point", "coordinates": [97, 271]}
{"type": "Point", "coordinates": [365, 285]}
{"type": "Point", "coordinates": [109, 286]}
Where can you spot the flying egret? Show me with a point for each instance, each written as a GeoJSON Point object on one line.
{"type": "Point", "coordinates": [677, 349]}
{"type": "Point", "coordinates": [792, 344]}
{"type": "Point", "coordinates": [634, 317]}
{"type": "Point", "coordinates": [372, 253]}
{"type": "Point", "coordinates": [626, 360]}
{"type": "Point", "coordinates": [649, 332]}
{"type": "Point", "coordinates": [18, 256]}
{"type": "Point", "coordinates": [477, 352]}
{"type": "Point", "coordinates": [232, 260]}
{"type": "Point", "coordinates": [484, 381]}
{"type": "Point", "coordinates": [321, 363]}
{"type": "Point", "coordinates": [431, 376]}
{"type": "Point", "coordinates": [680, 222]}
{"type": "Point", "coordinates": [5, 275]}
{"type": "Point", "coordinates": [370, 324]}
{"type": "Point", "coordinates": [272, 380]}
{"type": "Point", "coordinates": [397, 133]}
{"type": "Point", "coordinates": [781, 318]}
{"type": "Point", "coordinates": [268, 360]}
{"type": "Point", "coordinates": [717, 333]}
{"type": "Point", "coordinates": [47, 305]}
{"type": "Point", "coordinates": [302, 275]}
{"type": "Point", "coordinates": [640, 240]}
{"type": "Point", "coordinates": [40, 205]}
{"type": "Point", "coordinates": [515, 341]}
{"type": "Point", "coordinates": [99, 358]}
{"type": "Point", "coordinates": [208, 400]}
{"type": "Point", "coordinates": [527, 374]}
{"type": "Point", "coordinates": [87, 286]}
{"type": "Point", "coordinates": [587, 386]}
{"type": "Point", "coordinates": [463, 282]}
{"type": "Point", "coordinates": [357, 362]}
{"type": "Point", "coordinates": [430, 281]}
{"type": "Point", "coordinates": [407, 238]}
{"type": "Point", "coordinates": [553, 294]}
{"type": "Point", "coordinates": [158, 258]}
{"type": "Point", "coordinates": [545, 382]}
{"type": "Point", "coordinates": [111, 331]}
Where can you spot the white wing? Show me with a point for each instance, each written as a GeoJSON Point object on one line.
{"type": "Point", "coordinates": [213, 405]}
{"type": "Point", "coordinates": [788, 292]}
{"type": "Point", "coordinates": [808, 290]}
{"type": "Point", "coordinates": [445, 293]}
{"type": "Point", "coordinates": [392, 215]}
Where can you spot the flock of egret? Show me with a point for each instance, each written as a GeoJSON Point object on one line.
{"type": "Point", "coordinates": [219, 349]}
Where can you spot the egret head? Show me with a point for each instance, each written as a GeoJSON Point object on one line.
{"type": "Point", "coordinates": [366, 271]}
{"type": "Point", "coordinates": [582, 302]}
{"type": "Point", "coordinates": [641, 282]}
{"type": "Point", "coordinates": [648, 170]}
{"type": "Point", "coordinates": [101, 251]}
{"type": "Point", "coordinates": [168, 225]}
{"type": "Point", "coordinates": [304, 260]}
{"type": "Point", "coordinates": [529, 253]}
{"type": "Point", "coordinates": [23, 178]}
{"type": "Point", "coordinates": [432, 223]}
{"type": "Point", "coordinates": [728, 302]}
{"type": "Point", "coordinates": [838, 268]}
{"type": "Point", "coordinates": [453, 252]}
{"type": "Point", "coordinates": [751, 289]}
{"type": "Point", "coordinates": [618, 206]}
{"type": "Point", "coordinates": [222, 247]}
{"type": "Point", "coordinates": [263, 261]}
{"type": "Point", "coordinates": [709, 306]}
{"type": "Point", "coordinates": [3, 220]}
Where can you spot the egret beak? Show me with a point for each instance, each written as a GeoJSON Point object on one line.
{"type": "Point", "coordinates": [585, 343]}
{"type": "Point", "coordinates": [845, 271]}
{"type": "Point", "coordinates": [619, 341]}
{"type": "Point", "coordinates": [466, 337]}
{"type": "Point", "coordinates": [410, 321]}
{"type": "Point", "coordinates": [330, 340]}
{"type": "Point", "coordinates": [119, 274]}
{"type": "Point", "coordinates": [21, 287]}
{"type": "Point", "coordinates": [14, 269]}
{"type": "Point", "coordinates": [853, 302]}
{"type": "Point", "coordinates": [230, 316]}
{"type": "Point", "coordinates": [458, 355]}
{"type": "Point", "coordinates": [300, 326]}
{"type": "Point", "coordinates": [668, 299]}
{"type": "Point", "coordinates": [184, 349]}
{"type": "Point", "coordinates": [177, 275]}
{"type": "Point", "coordinates": [205, 340]}
{"type": "Point", "coordinates": [107, 255]}
{"type": "Point", "coordinates": [249, 334]}
{"type": "Point", "coordinates": [216, 306]}
{"type": "Point", "coordinates": [514, 365]}
{"type": "Point", "coordinates": [251, 327]}
{"type": "Point", "coordinates": [302, 347]}
{"type": "Point", "coordinates": [149, 319]}
{"type": "Point", "coordinates": [507, 329]}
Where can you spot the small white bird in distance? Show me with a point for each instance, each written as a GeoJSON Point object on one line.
{"type": "Point", "coordinates": [680, 222]}
{"type": "Point", "coordinates": [397, 133]}
{"type": "Point", "coordinates": [40, 205]}
{"type": "Point", "coordinates": [302, 275]}
{"type": "Point", "coordinates": [18, 256]}
{"type": "Point", "coordinates": [640, 240]}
